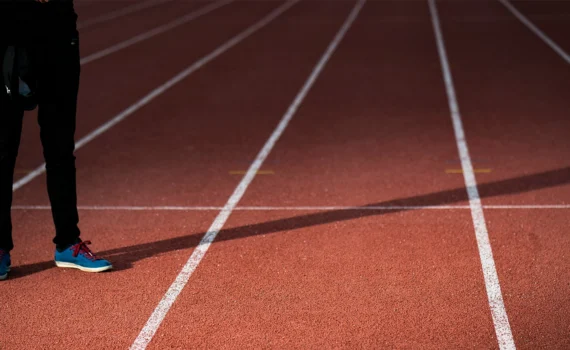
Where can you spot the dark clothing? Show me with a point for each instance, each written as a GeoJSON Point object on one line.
{"type": "Point", "coordinates": [26, 21]}
{"type": "Point", "coordinates": [57, 67]}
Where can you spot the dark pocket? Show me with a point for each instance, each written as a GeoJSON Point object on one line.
{"type": "Point", "coordinates": [20, 81]}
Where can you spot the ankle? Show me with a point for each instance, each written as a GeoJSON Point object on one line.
{"type": "Point", "coordinates": [61, 247]}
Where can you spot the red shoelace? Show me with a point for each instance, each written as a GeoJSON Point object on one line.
{"type": "Point", "coordinates": [81, 248]}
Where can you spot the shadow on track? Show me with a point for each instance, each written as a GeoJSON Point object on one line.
{"type": "Point", "coordinates": [123, 258]}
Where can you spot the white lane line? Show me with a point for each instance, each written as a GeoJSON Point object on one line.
{"type": "Point", "coordinates": [509, 18]}
{"type": "Point", "coordinates": [155, 31]}
{"type": "Point", "coordinates": [565, 56]}
{"type": "Point", "coordinates": [174, 290]}
{"type": "Point", "coordinates": [161, 89]}
{"type": "Point", "coordinates": [494, 295]}
{"type": "Point", "coordinates": [120, 12]}
{"type": "Point", "coordinates": [295, 208]}
{"type": "Point", "coordinates": [529, 206]}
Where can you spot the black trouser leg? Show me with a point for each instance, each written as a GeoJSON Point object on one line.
{"type": "Point", "coordinates": [10, 133]}
{"type": "Point", "coordinates": [58, 85]}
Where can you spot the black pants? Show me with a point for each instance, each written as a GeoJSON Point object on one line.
{"type": "Point", "coordinates": [58, 69]}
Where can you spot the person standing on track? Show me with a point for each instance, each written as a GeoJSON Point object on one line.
{"type": "Point", "coordinates": [46, 31]}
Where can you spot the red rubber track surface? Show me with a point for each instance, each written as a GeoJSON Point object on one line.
{"type": "Point", "coordinates": [382, 281]}
{"type": "Point", "coordinates": [92, 9]}
{"type": "Point", "coordinates": [551, 16]}
{"type": "Point", "coordinates": [375, 129]}
{"type": "Point", "coordinates": [102, 35]}
{"type": "Point", "coordinates": [350, 279]}
{"type": "Point", "coordinates": [517, 123]}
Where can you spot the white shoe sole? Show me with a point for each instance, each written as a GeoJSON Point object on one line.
{"type": "Point", "coordinates": [82, 268]}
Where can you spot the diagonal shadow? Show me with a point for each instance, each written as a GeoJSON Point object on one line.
{"type": "Point", "coordinates": [123, 258]}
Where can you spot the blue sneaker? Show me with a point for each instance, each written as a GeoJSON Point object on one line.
{"type": "Point", "coordinates": [79, 256]}
{"type": "Point", "coordinates": [4, 264]}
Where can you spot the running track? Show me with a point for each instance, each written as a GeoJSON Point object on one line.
{"type": "Point", "coordinates": [317, 149]}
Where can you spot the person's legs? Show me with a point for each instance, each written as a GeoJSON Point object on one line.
{"type": "Point", "coordinates": [10, 133]}
{"type": "Point", "coordinates": [58, 72]}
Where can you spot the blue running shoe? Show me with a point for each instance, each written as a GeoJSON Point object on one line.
{"type": "Point", "coordinates": [79, 256]}
{"type": "Point", "coordinates": [4, 264]}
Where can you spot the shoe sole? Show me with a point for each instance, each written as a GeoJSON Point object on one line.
{"type": "Point", "coordinates": [82, 268]}
{"type": "Point", "coordinates": [4, 276]}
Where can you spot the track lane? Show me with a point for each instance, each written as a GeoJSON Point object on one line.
{"type": "Point", "coordinates": [348, 279]}
{"type": "Point", "coordinates": [339, 148]}
{"type": "Point", "coordinates": [110, 33]}
{"type": "Point", "coordinates": [120, 12]}
{"type": "Point", "coordinates": [551, 17]}
{"type": "Point", "coordinates": [531, 251]}
{"type": "Point", "coordinates": [87, 10]}
{"type": "Point", "coordinates": [518, 122]}
{"type": "Point", "coordinates": [403, 280]}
